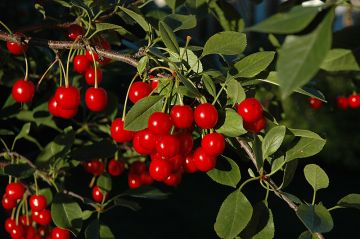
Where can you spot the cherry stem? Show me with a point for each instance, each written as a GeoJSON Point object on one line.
{"type": "Point", "coordinates": [6, 27]}
{"type": "Point", "coordinates": [127, 95]}
{"type": "Point", "coordinates": [36, 184]}
{"type": "Point", "coordinates": [68, 62]}
{"type": "Point", "coordinates": [18, 210]}
{"type": "Point", "coordinates": [63, 71]}
{"type": "Point", "coordinates": [218, 94]}
{"type": "Point", "coordinates": [47, 70]}
{"type": "Point", "coordinates": [26, 67]}
{"type": "Point", "coordinates": [173, 73]}
{"type": "Point", "coordinates": [95, 68]}
{"type": "Point", "coordinates": [116, 156]}
{"type": "Point", "coordinates": [92, 181]}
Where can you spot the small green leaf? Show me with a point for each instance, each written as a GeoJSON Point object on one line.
{"type": "Point", "coordinates": [316, 176]}
{"type": "Point", "coordinates": [230, 177]}
{"type": "Point", "coordinates": [233, 124]}
{"type": "Point", "coordinates": [105, 232]}
{"type": "Point", "coordinates": [127, 203]}
{"type": "Point", "coordinates": [289, 172]}
{"type": "Point", "coordinates": [104, 182]}
{"type": "Point", "coordinates": [188, 84]}
{"type": "Point", "coordinates": [234, 214]}
{"type": "Point", "coordinates": [25, 130]}
{"type": "Point", "coordinates": [6, 132]}
{"type": "Point", "coordinates": [189, 57]}
{"type": "Point", "coordinates": [273, 140]}
{"type": "Point", "coordinates": [225, 43]}
{"type": "Point", "coordinates": [209, 84]}
{"type": "Point", "coordinates": [86, 214]}
{"type": "Point", "coordinates": [137, 117]}
{"type": "Point", "coordinates": [258, 151]}
{"type": "Point", "coordinates": [253, 64]}
{"type": "Point", "coordinates": [180, 22]}
{"type": "Point", "coordinates": [103, 26]}
{"type": "Point", "coordinates": [168, 37]}
{"type": "Point", "coordinates": [315, 217]}
{"type": "Point", "coordinates": [340, 60]}
{"type": "Point", "coordinates": [102, 149]}
{"type": "Point", "coordinates": [142, 64]}
{"type": "Point", "coordinates": [235, 92]}
{"type": "Point", "coordinates": [92, 231]}
{"type": "Point", "coordinates": [173, 4]}
{"type": "Point", "coordinates": [277, 163]}
{"type": "Point", "coordinates": [19, 171]}
{"type": "Point", "coordinates": [351, 200]}
{"type": "Point", "coordinates": [306, 147]}
{"type": "Point", "coordinates": [307, 235]}
{"type": "Point", "coordinates": [137, 18]}
{"type": "Point", "coordinates": [146, 192]}
{"type": "Point", "coordinates": [47, 193]}
{"type": "Point", "coordinates": [305, 133]}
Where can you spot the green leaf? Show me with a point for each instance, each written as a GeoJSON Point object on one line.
{"type": "Point", "coordinates": [103, 26]}
{"type": "Point", "coordinates": [233, 124]}
{"type": "Point", "coordinates": [285, 23]}
{"type": "Point", "coordinates": [173, 4]}
{"type": "Point", "coordinates": [315, 217]}
{"type": "Point", "coordinates": [168, 37]}
{"type": "Point", "coordinates": [146, 192]}
{"type": "Point", "coordinates": [66, 213]}
{"type": "Point", "coordinates": [180, 22]}
{"type": "Point", "coordinates": [86, 214]}
{"type": "Point", "coordinates": [305, 133]}
{"type": "Point", "coordinates": [351, 200]}
{"type": "Point", "coordinates": [234, 214]}
{"type": "Point", "coordinates": [19, 171]}
{"type": "Point", "coordinates": [229, 177]}
{"type": "Point", "coordinates": [102, 149]}
{"type": "Point", "coordinates": [132, 205]}
{"type": "Point", "coordinates": [92, 231]}
{"type": "Point", "coordinates": [105, 232]}
{"type": "Point", "coordinates": [307, 235]}
{"type": "Point", "coordinates": [301, 56]}
{"type": "Point", "coordinates": [188, 84]}
{"type": "Point", "coordinates": [209, 84]}
{"type": "Point", "coordinates": [104, 182]}
{"type": "Point", "coordinates": [137, 18]}
{"type": "Point", "coordinates": [225, 43]}
{"type": "Point", "coordinates": [47, 193]}
{"type": "Point", "coordinates": [305, 147]}
{"type": "Point", "coordinates": [340, 60]}
{"type": "Point", "coordinates": [316, 176]}
{"type": "Point", "coordinates": [6, 132]}
{"type": "Point", "coordinates": [142, 64]}
{"type": "Point", "coordinates": [253, 64]}
{"type": "Point", "coordinates": [137, 117]}
{"type": "Point", "coordinates": [25, 130]}
{"type": "Point", "coordinates": [289, 172]}
{"type": "Point", "coordinates": [273, 140]}
{"type": "Point", "coordinates": [277, 163]}
{"type": "Point", "coordinates": [258, 151]}
{"type": "Point", "coordinates": [189, 57]}
{"type": "Point", "coordinates": [235, 92]}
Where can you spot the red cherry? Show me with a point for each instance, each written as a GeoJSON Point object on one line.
{"type": "Point", "coordinates": [146, 178]}
{"type": "Point", "coordinates": [15, 191]}
{"type": "Point", "coordinates": [203, 161]}
{"type": "Point", "coordinates": [102, 43]}
{"type": "Point", "coordinates": [17, 48]}
{"type": "Point", "coordinates": [138, 146]}
{"type": "Point", "coordinates": [23, 91]}
{"type": "Point", "coordinates": [177, 163]}
{"type": "Point", "coordinates": [81, 64]}
{"type": "Point", "coordinates": [116, 167]}
{"type": "Point", "coordinates": [42, 231]}
{"type": "Point", "coordinates": [9, 224]}
{"type": "Point", "coordinates": [173, 180]}
{"type": "Point", "coordinates": [154, 83]}
{"type": "Point", "coordinates": [139, 90]}
{"type": "Point", "coordinates": [342, 102]}
{"type": "Point", "coordinates": [255, 127]}
{"type": "Point", "coordinates": [137, 168]}
{"type": "Point", "coordinates": [67, 113]}
{"type": "Point", "coordinates": [74, 31]}
{"type": "Point", "coordinates": [17, 232]}
{"type": "Point", "coordinates": [354, 101]}
{"type": "Point", "coordinates": [37, 202]}
{"type": "Point", "coordinates": [134, 181]}
{"type": "Point", "coordinates": [190, 165]}
{"type": "Point", "coordinates": [147, 140]}
{"type": "Point", "coordinates": [8, 203]}
{"type": "Point", "coordinates": [118, 133]}
{"type": "Point", "coordinates": [42, 217]}
{"type": "Point", "coordinates": [206, 116]}
{"type": "Point", "coordinates": [30, 232]}
{"type": "Point", "coordinates": [97, 194]}
{"type": "Point", "coordinates": [25, 220]}
{"type": "Point", "coordinates": [168, 146]}
{"type": "Point", "coordinates": [250, 110]}
{"type": "Point", "coordinates": [315, 103]}
{"type": "Point", "coordinates": [53, 107]}
{"type": "Point", "coordinates": [96, 167]}
{"type": "Point", "coordinates": [160, 169]}
{"type": "Point", "coordinates": [90, 75]}
{"type": "Point", "coordinates": [96, 99]}
{"type": "Point", "coordinates": [213, 144]}
{"type": "Point", "coordinates": [186, 143]}
{"type": "Point", "coordinates": [67, 97]}
{"type": "Point", "coordinates": [159, 123]}
{"type": "Point", "coordinates": [59, 233]}
{"type": "Point", "coordinates": [182, 116]}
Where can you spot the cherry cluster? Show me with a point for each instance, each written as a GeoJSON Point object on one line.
{"type": "Point", "coordinates": [25, 227]}
{"type": "Point", "coordinates": [342, 102]}
{"type": "Point", "coordinates": [251, 111]}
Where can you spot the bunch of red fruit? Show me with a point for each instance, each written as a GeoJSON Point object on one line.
{"type": "Point", "coordinates": [24, 226]}
{"type": "Point", "coordinates": [251, 112]}
{"type": "Point", "coordinates": [342, 102]}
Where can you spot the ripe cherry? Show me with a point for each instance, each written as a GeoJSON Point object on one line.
{"type": "Point", "coordinates": [67, 113]}
{"type": "Point", "coordinates": [118, 133]}
{"type": "Point", "coordinates": [81, 64]}
{"type": "Point", "coordinates": [186, 143]}
{"type": "Point", "coordinates": [177, 163]}
{"type": "Point", "coordinates": [42, 217]}
{"type": "Point", "coordinates": [154, 82]}
{"type": "Point", "coordinates": [139, 90]}
{"type": "Point", "coordinates": [138, 146]}
{"type": "Point", "coordinates": [37, 202]}
{"type": "Point", "coordinates": [134, 181]}
{"type": "Point", "coordinates": [53, 107]}
{"type": "Point", "coordinates": [354, 101]}
{"type": "Point", "coordinates": [137, 168]}
{"type": "Point", "coordinates": [255, 127]}
{"type": "Point", "coordinates": [203, 161]}
{"type": "Point", "coordinates": [160, 169]}
{"type": "Point", "coordinates": [15, 191]}
{"type": "Point", "coordinates": [116, 167]}
{"type": "Point", "coordinates": [250, 110]}
{"type": "Point", "coordinates": [206, 116]}
{"type": "Point", "coordinates": [96, 99]}
{"type": "Point", "coordinates": [97, 194]}
{"type": "Point", "coordinates": [146, 178]}
{"type": "Point", "coordinates": [342, 102]}
{"type": "Point", "coordinates": [59, 233]}
{"type": "Point", "coordinates": [67, 97]}
{"type": "Point", "coordinates": [315, 103]}
{"type": "Point", "coordinates": [16, 48]}
{"type": "Point", "coordinates": [182, 116]}
{"type": "Point", "coordinates": [74, 31]}
{"type": "Point", "coordinates": [25, 220]}
{"type": "Point", "coordinates": [8, 203]}
{"type": "Point", "coordinates": [29, 232]}
{"type": "Point", "coordinates": [17, 231]}
{"type": "Point", "coordinates": [173, 180]}
{"type": "Point", "coordinates": [97, 167]}
{"type": "Point", "coordinates": [90, 75]}
{"type": "Point", "coordinates": [168, 146]}
{"type": "Point", "coordinates": [147, 140]}
{"type": "Point", "coordinates": [9, 224]}
{"type": "Point", "coordinates": [213, 144]}
{"type": "Point", "coordinates": [23, 91]}
{"type": "Point", "coordinates": [189, 164]}
{"type": "Point", "coordinates": [159, 123]}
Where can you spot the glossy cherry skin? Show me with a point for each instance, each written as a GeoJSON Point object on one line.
{"type": "Point", "coordinates": [90, 75]}
{"type": "Point", "coordinates": [160, 169]}
{"type": "Point", "coordinates": [37, 202]}
{"type": "Point", "coordinates": [177, 163]}
{"type": "Point", "coordinates": [139, 90]}
{"type": "Point", "coordinates": [159, 123]}
{"type": "Point", "coordinates": [67, 97]}
{"type": "Point", "coordinates": [354, 101]}
{"type": "Point", "coordinates": [146, 178]}
{"type": "Point", "coordinates": [342, 102]}
{"type": "Point", "coordinates": [97, 194]}
{"type": "Point", "coordinates": [53, 107]}
{"type": "Point", "coordinates": [186, 143]}
{"type": "Point", "coordinates": [154, 83]}
{"type": "Point", "coordinates": [315, 103]}
{"type": "Point", "coordinates": [96, 99]}
{"type": "Point", "coordinates": [137, 168]}
{"type": "Point", "coordinates": [116, 167]}
{"type": "Point", "coordinates": [29, 232]}
{"type": "Point", "coordinates": [17, 231]}
{"type": "Point", "coordinates": [23, 91]}
{"type": "Point", "coordinates": [255, 127]}
{"type": "Point", "coordinates": [67, 113]}
{"type": "Point", "coordinates": [206, 116]}
{"type": "Point", "coordinates": [138, 146]}
{"type": "Point", "coordinates": [203, 161]}
{"type": "Point", "coordinates": [25, 220]}
{"type": "Point", "coordinates": [168, 146]}
{"type": "Point", "coordinates": [250, 109]}
{"type": "Point", "coordinates": [81, 64]}
{"type": "Point", "coordinates": [74, 31]}
{"type": "Point", "coordinates": [189, 164]}
{"type": "Point", "coordinates": [17, 48]}
{"type": "Point", "coordinates": [213, 144]}
{"type": "Point", "coordinates": [147, 140]}
{"type": "Point", "coordinates": [97, 167]}
{"type": "Point", "coordinates": [15, 191]}
{"type": "Point", "coordinates": [59, 233]}
{"type": "Point", "coordinates": [41, 217]}
{"type": "Point", "coordinates": [8, 203]}
{"type": "Point", "coordinates": [118, 133]}
{"type": "Point", "coordinates": [9, 224]}
{"type": "Point", "coordinates": [173, 180]}
{"type": "Point", "coordinates": [182, 116]}
{"type": "Point", "coordinates": [134, 181]}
